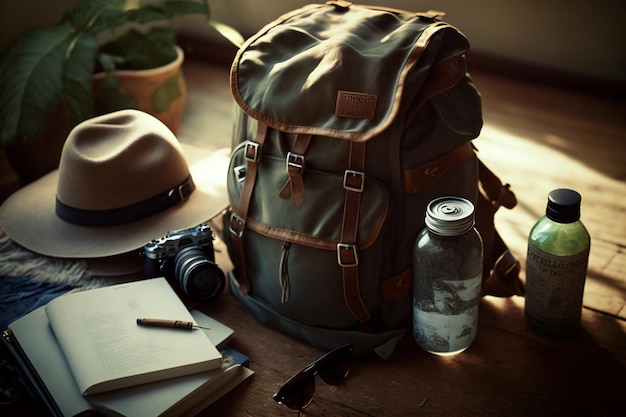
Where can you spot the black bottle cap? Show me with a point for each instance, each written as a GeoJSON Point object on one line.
{"type": "Point", "coordinates": [563, 206]}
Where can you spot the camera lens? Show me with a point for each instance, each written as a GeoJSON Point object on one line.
{"type": "Point", "coordinates": [197, 274]}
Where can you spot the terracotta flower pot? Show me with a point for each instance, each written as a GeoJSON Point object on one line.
{"type": "Point", "coordinates": [159, 91]}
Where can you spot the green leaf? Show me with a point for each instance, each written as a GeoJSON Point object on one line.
{"type": "Point", "coordinates": [137, 50]}
{"type": "Point", "coordinates": [91, 12]}
{"type": "Point", "coordinates": [31, 81]}
{"type": "Point", "coordinates": [79, 68]}
{"type": "Point", "coordinates": [96, 15]}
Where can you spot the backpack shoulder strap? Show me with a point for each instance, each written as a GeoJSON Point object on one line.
{"type": "Point", "coordinates": [504, 278]}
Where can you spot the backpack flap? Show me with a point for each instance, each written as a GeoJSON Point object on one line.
{"type": "Point", "coordinates": [340, 71]}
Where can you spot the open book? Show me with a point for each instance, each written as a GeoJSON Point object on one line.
{"type": "Point", "coordinates": [106, 349]}
{"type": "Point", "coordinates": [42, 362]}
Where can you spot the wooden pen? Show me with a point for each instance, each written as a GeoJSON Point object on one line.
{"type": "Point", "coordinates": [173, 324]}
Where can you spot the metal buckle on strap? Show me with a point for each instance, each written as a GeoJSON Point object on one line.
{"type": "Point", "coordinates": [296, 161]}
{"type": "Point", "coordinates": [240, 173]}
{"type": "Point", "coordinates": [345, 249]}
{"type": "Point", "coordinates": [182, 191]}
{"type": "Point", "coordinates": [252, 151]}
{"type": "Point", "coordinates": [236, 225]}
{"type": "Point", "coordinates": [353, 180]}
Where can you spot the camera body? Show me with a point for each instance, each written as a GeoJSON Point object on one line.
{"type": "Point", "coordinates": [188, 258]}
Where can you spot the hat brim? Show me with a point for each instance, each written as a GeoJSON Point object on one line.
{"type": "Point", "coordinates": [28, 216]}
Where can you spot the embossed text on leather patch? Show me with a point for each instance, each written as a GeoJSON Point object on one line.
{"type": "Point", "coordinates": [355, 105]}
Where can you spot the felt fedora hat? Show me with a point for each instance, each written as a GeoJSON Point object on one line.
{"type": "Point", "coordinates": [123, 180]}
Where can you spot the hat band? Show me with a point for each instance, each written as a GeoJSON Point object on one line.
{"type": "Point", "coordinates": [127, 214]}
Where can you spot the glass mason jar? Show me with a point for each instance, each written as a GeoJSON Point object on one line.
{"type": "Point", "coordinates": [556, 266]}
{"type": "Point", "coordinates": [447, 277]}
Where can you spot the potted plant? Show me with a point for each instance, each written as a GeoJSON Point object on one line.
{"type": "Point", "coordinates": [53, 78]}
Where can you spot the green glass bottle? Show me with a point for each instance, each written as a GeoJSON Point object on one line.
{"type": "Point", "coordinates": [556, 266]}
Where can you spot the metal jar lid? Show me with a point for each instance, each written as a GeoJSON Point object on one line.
{"type": "Point", "coordinates": [450, 216]}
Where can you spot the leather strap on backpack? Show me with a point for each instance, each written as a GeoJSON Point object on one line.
{"type": "Point", "coordinates": [504, 278]}
{"type": "Point", "coordinates": [294, 187]}
{"type": "Point", "coordinates": [497, 193]}
{"type": "Point", "coordinates": [240, 215]}
{"type": "Point", "coordinates": [425, 175]}
{"type": "Point", "coordinates": [347, 253]}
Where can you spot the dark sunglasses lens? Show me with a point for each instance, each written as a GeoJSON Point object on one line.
{"type": "Point", "coordinates": [334, 367]}
{"type": "Point", "coordinates": [335, 372]}
{"type": "Point", "coordinates": [297, 393]}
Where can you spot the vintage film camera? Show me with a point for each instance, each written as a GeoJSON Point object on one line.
{"type": "Point", "coordinates": [186, 257]}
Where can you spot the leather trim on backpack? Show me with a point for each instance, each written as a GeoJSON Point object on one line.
{"type": "Point", "coordinates": [425, 175]}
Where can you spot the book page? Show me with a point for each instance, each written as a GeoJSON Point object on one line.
{"type": "Point", "coordinates": [106, 349]}
{"type": "Point", "coordinates": [217, 331]}
{"type": "Point", "coordinates": [37, 341]}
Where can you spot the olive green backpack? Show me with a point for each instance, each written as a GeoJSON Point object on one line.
{"type": "Point", "coordinates": [351, 120]}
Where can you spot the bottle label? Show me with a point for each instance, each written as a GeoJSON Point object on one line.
{"type": "Point", "coordinates": [555, 285]}
{"type": "Point", "coordinates": [447, 322]}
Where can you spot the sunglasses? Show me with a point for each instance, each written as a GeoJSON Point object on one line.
{"type": "Point", "coordinates": [333, 368]}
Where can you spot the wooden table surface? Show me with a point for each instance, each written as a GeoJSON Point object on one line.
{"type": "Point", "coordinates": [508, 371]}
{"type": "Point", "coordinates": [536, 138]}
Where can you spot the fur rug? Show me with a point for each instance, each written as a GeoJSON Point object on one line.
{"type": "Point", "coordinates": [18, 262]}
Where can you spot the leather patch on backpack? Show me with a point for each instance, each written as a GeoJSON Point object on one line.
{"type": "Point", "coordinates": [355, 105]}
